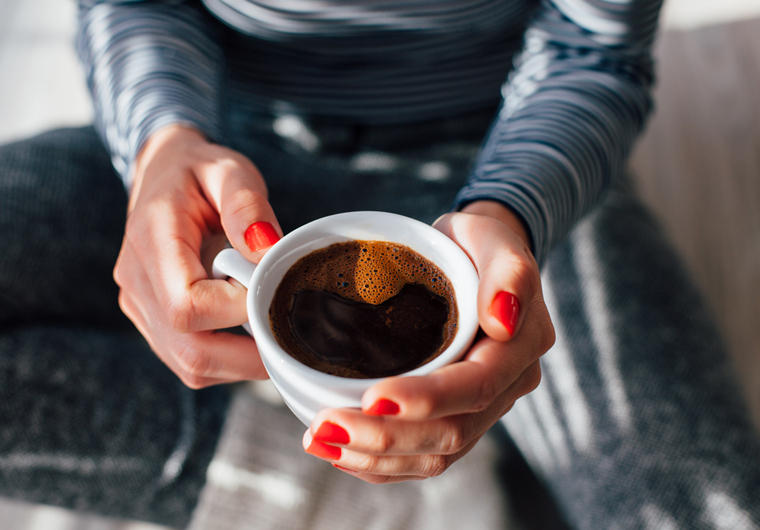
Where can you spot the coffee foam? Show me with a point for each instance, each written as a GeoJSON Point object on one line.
{"type": "Point", "coordinates": [363, 271]}
{"type": "Point", "coordinates": [367, 271]}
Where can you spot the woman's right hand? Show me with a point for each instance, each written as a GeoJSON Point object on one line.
{"type": "Point", "coordinates": [188, 195]}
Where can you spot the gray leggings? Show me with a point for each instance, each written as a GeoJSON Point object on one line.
{"type": "Point", "coordinates": [637, 423]}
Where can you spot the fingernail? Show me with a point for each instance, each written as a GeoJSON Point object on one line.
{"type": "Point", "coordinates": [331, 434]}
{"type": "Point", "coordinates": [260, 235]}
{"type": "Point", "coordinates": [506, 309]}
{"type": "Point", "coordinates": [383, 407]}
{"type": "Point", "coordinates": [336, 466]}
{"type": "Point", "coordinates": [318, 449]}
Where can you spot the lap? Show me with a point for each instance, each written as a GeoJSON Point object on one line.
{"type": "Point", "coordinates": [637, 422]}
{"type": "Point", "coordinates": [90, 419]}
{"type": "Point", "coordinates": [318, 168]}
{"type": "Point", "coordinates": [62, 215]}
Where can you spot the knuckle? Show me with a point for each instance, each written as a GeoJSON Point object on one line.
{"type": "Point", "coordinates": [425, 405]}
{"type": "Point", "coordinates": [549, 336]}
{"type": "Point", "coordinates": [243, 201]}
{"type": "Point", "coordinates": [455, 438]}
{"type": "Point", "coordinates": [193, 382]}
{"type": "Point", "coordinates": [486, 395]}
{"type": "Point", "coordinates": [123, 302]}
{"type": "Point", "coordinates": [121, 272]}
{"type": "Point", "coordinates": [195, 364]}
{"type": "Point", "coordinates": [370, 465]}
{"type": "Point", "coordinates": [182, 315]}
{"type": "Point", "coordinates": [383, 442]}
{"type": "Point", "coordinates": [435, 465]}
{"type": "Point", "coordinates": [533, 377]}
{"type": "Point", "coordinates": [118, 274]}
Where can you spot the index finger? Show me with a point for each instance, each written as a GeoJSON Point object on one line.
{"type": "Point", "coordinates": [167, 241]}
{"type": "Point", "coordinates": [490, 368]}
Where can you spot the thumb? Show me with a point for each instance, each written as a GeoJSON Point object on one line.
{"type": "Point", "coordinates": [236, 189]}
{"type": "Point", "coordinates": [509, 280]}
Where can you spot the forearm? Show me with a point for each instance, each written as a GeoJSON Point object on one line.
{"type": "Point", "coordinates": [572, 109]}
{"type": "Point", "coordinates": [148, 65]}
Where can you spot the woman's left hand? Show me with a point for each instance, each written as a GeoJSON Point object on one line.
{"type": "Point", "coordinates": [410, 428]}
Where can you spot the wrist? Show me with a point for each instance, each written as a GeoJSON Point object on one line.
{"type": "Point", "coordinates": [166, 139]}
{"type": "Point", "coordinates": [503, 213]}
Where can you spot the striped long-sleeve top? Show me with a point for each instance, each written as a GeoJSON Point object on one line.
{"type": "Point", "coordinates": [573, 78]}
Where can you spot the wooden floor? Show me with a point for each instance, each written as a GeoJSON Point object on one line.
{"type": "Point", "coordinates": [697, 166]}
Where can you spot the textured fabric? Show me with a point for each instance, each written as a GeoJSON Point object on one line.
{"type": "Point", "coordinates": [572, 108]}
{"type": "Point", "coordinates": [49, 246]}
{"type": "Point", "coordinates": [577, 97]}
{"type": "Point", "coordinates": [149, 65]}
{"type": "Point", "coordinates": [638, 422]}
{"type": "Point", "coordinates": [261, 478]}
{"type": "Point", "coordinates": [90, 419]}
{"type": "Point", "coordinates": [412, 170]}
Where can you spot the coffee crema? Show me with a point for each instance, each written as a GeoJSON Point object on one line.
{"type": "Point", "coordinates": [364, 309]}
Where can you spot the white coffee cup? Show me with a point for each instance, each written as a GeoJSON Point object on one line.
{"type": "Point", "coordinates": [304, 389]}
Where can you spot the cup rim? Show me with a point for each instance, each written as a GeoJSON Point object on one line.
{"type": "Point", "coordinates": [466, 294]}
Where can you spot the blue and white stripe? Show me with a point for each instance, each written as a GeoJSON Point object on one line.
{"type": "Point", "coordinates": [148, 65]}
{"type": "Point", "coordinates": [572, 108]}
{"type": "Point", "coordinates": [572, 105]}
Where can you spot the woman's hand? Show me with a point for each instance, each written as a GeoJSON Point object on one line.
{"type": "Point", "coordinates": [415, 427]}
{"type": "Point", "coordinates": [188, 195]}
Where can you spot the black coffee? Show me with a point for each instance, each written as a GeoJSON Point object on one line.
{"type": "Point", "coordinates": [364, 309]}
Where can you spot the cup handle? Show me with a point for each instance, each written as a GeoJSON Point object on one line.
{"type": "Point", "coordinates": [231, 263]}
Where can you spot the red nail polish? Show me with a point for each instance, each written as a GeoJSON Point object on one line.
{"type": "Point", "coordinates": [318, 449]}
{"type": "Point", "coordinates": [383, 407]}
{"type": "Point", "coordinates": [260, 235]}
{"type": "Point", "coordinates": [506, 309]}
{"type": "Point", "coordinates": [332, 434]}
{"type": "Point", "coordinates": [336, 466]}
